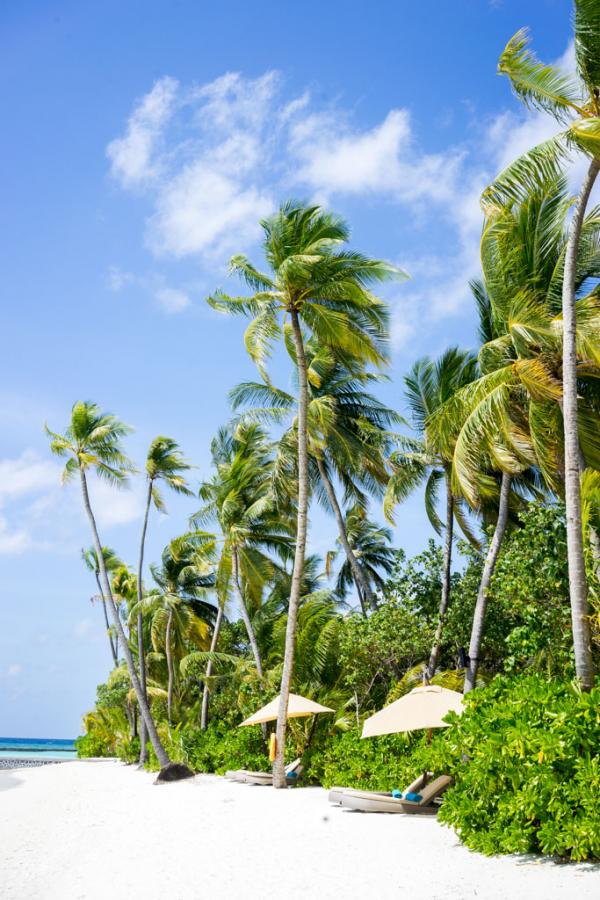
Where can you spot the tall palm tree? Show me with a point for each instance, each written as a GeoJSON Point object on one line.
{"type": "Point", "coordinates": [575, 103]}
{"type": "Point", "coordinates": [179, 610]}
{"type": "Point", "coordinates": [513, 410]}
{"type": "Point", "coordinates": [427, 459]}
{"type": "Point", "coordinates": [347, 437]}
{"type": "Point", "coordinates": [324, 289]}
{"type": "Point", "coordinates": [92, 440]}
{"type": "Point", "coordinates": [164, 463]}
{"type": "Point", "coordinates": [111, 562]}
{"type": "Point", "coordinates": [239, 499]}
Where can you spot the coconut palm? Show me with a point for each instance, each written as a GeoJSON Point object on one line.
{"type": "Point", "coordinates": [239, 499]}
{"type": "Point", "coordinates": [575, 103]}
{"type": "Point", "coordinates": [164, 463]}
{"type": "Point", "coordinates": [320, 287]}
{"type": "Point", "coordinates": [111, 562]}
{"type": "Point", "coordinates": [427, 460]}
{"type": "Point", "coordinates": [178, 609]}
{"type": "Point", "coordinates": [92, 441]}
{"type": "Point", "coordinates": [347, 437]}
{"type": "Point", "coordinates": [371, 548]}
{"type": "Point", "coordinates": [514, 408]}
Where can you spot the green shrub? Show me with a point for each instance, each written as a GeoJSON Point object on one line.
{"type": "Point", "coordinates": [88, 745]}
{"type": "Point", "coordinates": [525, 756]}
{"type": "Point", "coordinates": [377, 764]}
{"type": "Point", "coordinates": [220, 748]}
{"type": "Point", "coordinates": [128, 749]}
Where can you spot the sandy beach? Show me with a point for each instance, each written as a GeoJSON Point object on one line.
{"type": "Point", "coordinates": [89, 830]}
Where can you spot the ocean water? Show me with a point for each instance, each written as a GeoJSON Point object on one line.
{"type": "Point", "coordinates": [36, 748]}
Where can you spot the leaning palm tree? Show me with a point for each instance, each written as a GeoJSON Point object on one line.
{"type": "Point", "coordinates": [239, 499]}
{"type": "Point", "coordinates": [427, 460]}
{"type": "Point", "coordinates": [164, 463]}
{"type": "Point", "coordinates": [321, 288]}
{"type": "Point", "coordinates": [347, 438]}
{"type": "Point", "coordinates": [92, 440]}
{"type": "Point", "coordinates": [517, 402]}
{"type": "Point", "coordinates": [371, 548]}
{"type": "Point", "coordinates": [575, 103]}
{"type": "Point", "coordinates": [179, 609]}
{"type": "Point", "coordinates": [111, 563]}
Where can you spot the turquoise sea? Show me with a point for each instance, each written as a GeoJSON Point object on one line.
{"type": "Point", "coordinates": [36, 748]}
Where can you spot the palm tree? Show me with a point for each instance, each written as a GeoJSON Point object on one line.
{"type": "Point", "coordinates": [179, 612]}
{"type": "Point", "coordinates": [164, 463]}
{"type": "Point", "coordinates": [371, 548]}
{"type": "Point", "coordinates": [575, 103]}
{"type": "Point", "coordinates": [347, 437]}
{"type": "Point", "coordinates": [427, 460]}
{"type": "Point", "coordinates": [517, 401]}
{"type": "Point", "coordinates": [320, 287]}
{"type": "Point", "coordinates": [239, 498]}
{"type": "Point", "coordinates": [92, 440]}
{"type": "Point", "coordinates": [111, 562]}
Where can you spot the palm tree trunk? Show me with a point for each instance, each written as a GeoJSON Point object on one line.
{"type": "Point", "coordinates": [361, 600]}
{"type": "Point", "coordinates": [578, 588]}
{"type": "Point", "coordinates": [113, 648]}
{"type": "Point", "coordinates": [360, 580]}
{"type": "Point", "coordinates": [484, 584]}
{"type": "Point", "coordinates": [279, 780]}
{"type": "Point", "coordinates": [144, 709]}
{"type": "Point", "coordinates": [235, 575]}
{"type": "Point", "coordinates": [446, 574]}
{"type": "Point", "coordinates": [169, 656]}
{"type": "Point", "coordinates": [209, 668]}
{"type": "Point", "coordinates": [140, 622]}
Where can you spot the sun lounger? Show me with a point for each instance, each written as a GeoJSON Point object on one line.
{"type": "Point", "coordinates": [335, 794]}
{"type": "Point", "coordinates": [366, 801]}
{"type": "Point", "coordinates": [292, 774]}
{"type": "Point", "coordinates": [245, 776]}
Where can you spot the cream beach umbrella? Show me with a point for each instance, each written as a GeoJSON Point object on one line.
{"type": "Point", "coordinates": [423, 707]}
{"type": "Point", "coordinates": [297, 707]}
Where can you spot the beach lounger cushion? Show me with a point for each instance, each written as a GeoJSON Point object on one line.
{"type": "Point", "coordinates": [335, 793]}
{"type": "Point", "coordinates": [367, 801]}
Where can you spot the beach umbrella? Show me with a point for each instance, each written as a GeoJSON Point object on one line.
{"type": "Point", "coordinates": [423, 707]}
{"type": "Point", "coordinates": [297, 707]}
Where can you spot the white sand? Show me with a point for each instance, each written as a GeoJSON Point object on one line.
{"type": "Point", "coordinates": [103, 831]}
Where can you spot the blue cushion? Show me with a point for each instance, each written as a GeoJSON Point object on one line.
{"type": "Point", "coordinates": [397, 794]}
{"type": "Point", "coordinates": [416, 798]}
{"type": "Point", "coordinates": [292, 774]}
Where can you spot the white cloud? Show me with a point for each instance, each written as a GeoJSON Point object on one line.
{"type": "Point", "coordinates": [113, 506]}
{"type": "Point", "coordinates": [383, 159]}
{"type": "Point", "coordinates": [13, 541]}
{"type": "Point", "coordinates": [132, 156]}
{"type": "Point", "coordinates": [119, 279]}
{"type": "Point", "coordinates": [26, 474]}
{"type": "Point", "coordinates": [234, 145]}
{"type": "Point", "coordinates": [203, 209]}
{"type": "Point", "coordinates": [172, 301]}
{"type": "Point", "coordinates": [13, 670]}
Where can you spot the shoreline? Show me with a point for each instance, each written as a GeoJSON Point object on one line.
{"type": "Point", "coordinates": [210, 837]}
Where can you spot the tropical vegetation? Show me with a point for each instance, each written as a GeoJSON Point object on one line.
{"type": "Point", "coordinates": [501, 441]}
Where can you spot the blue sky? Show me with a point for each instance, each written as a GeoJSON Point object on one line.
{"type": "Point", "coordinates": [142, 143]}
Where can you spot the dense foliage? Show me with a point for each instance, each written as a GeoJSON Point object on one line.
{"type": "Point", "coordinates": [526, 759]}
{"type": "Point", "coordinates": [501, 442]}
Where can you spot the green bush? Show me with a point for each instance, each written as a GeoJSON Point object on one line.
{"type": "Point", "coordinates": [525, 756]}
{"type": "Point", "coordinates": [220, 748]}
{"type": "Point", "coordinates": [88, 745]}
{"type": "Point", "coordinates": [128, 749]}
{"type": "Point", "coordinates": [377, 764]}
